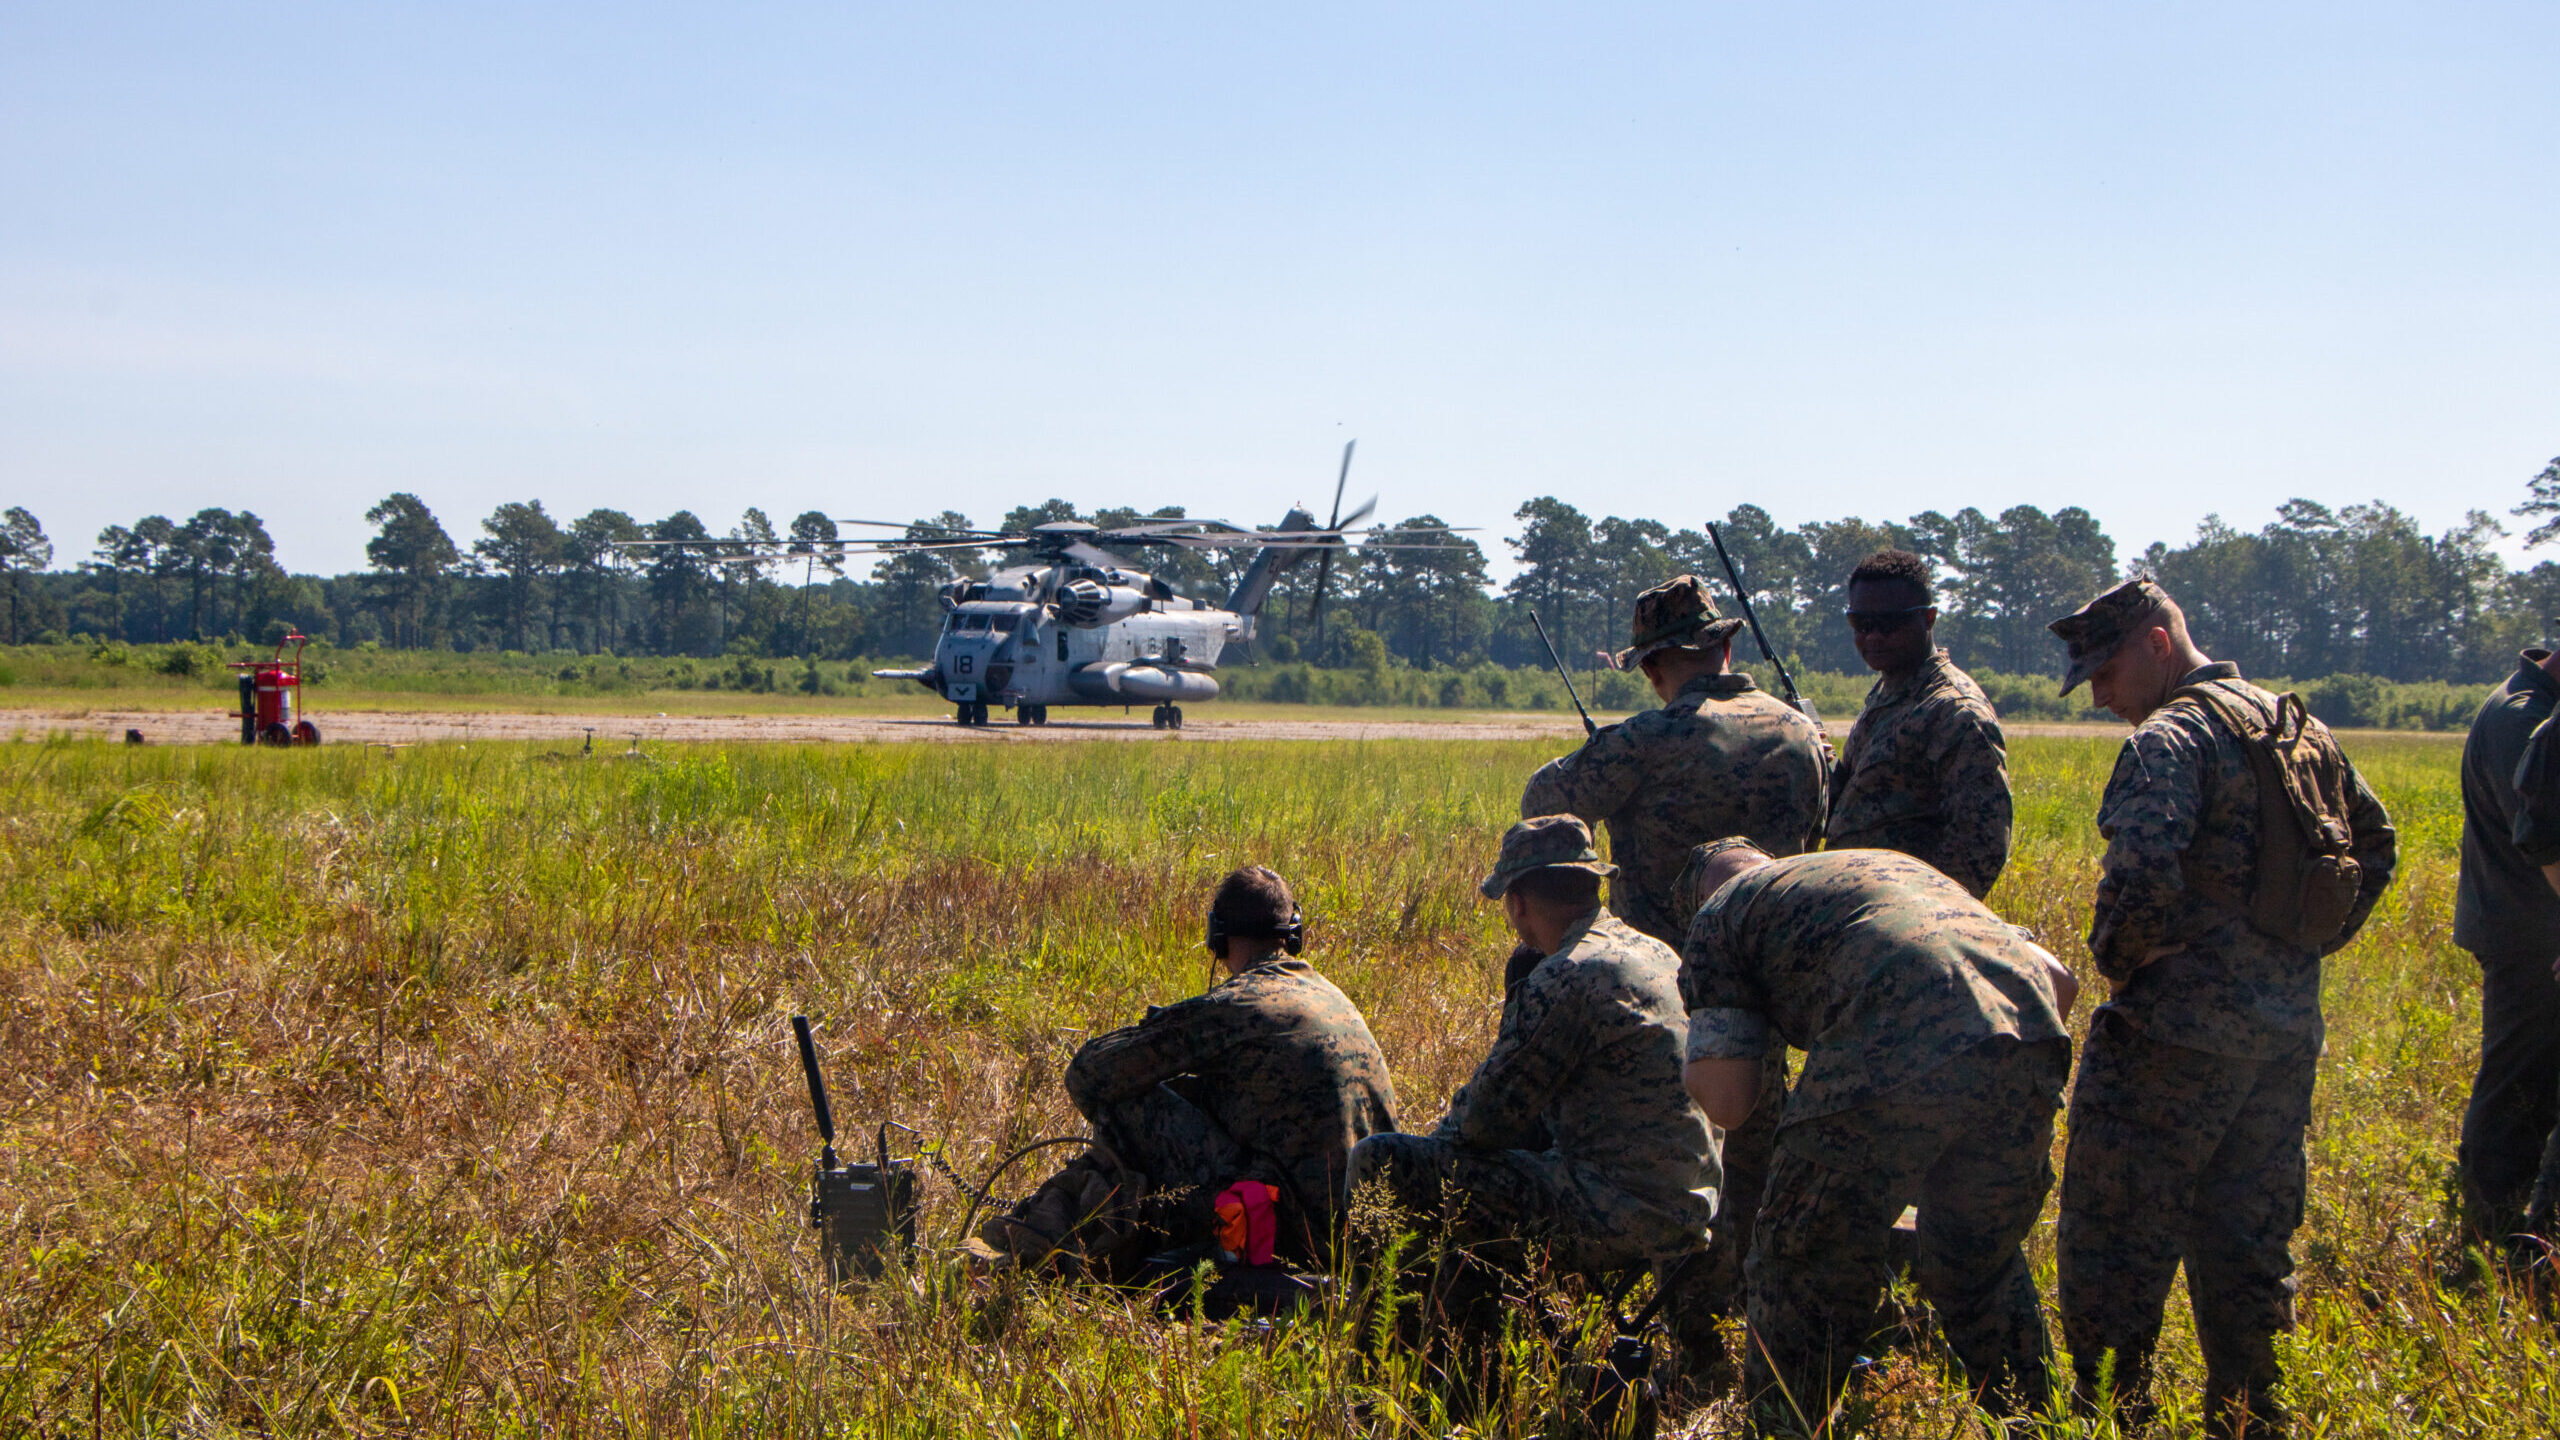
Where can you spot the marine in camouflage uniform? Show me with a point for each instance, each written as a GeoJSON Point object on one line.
{"type": "Point", "coordinates": [1935, 1056]}
{"type": "Point", "coordinates": [2194, 1090]}
{"type": "Point", "coordinates": [1720, 757]}
{"type": "Point", "coordinates": [1925, 770]}
{"type": "Point", "coordinates": [1270, 1075]}
{"type": "Point", "coordinates": [1574, 1134]}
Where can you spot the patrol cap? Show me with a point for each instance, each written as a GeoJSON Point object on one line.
{"type": "Point", "coordinates": [2097, 630]}
{"type": "Point", "coordinates": [1559, 841]}
{"type": "Point", "coordinates": [1679, 611]}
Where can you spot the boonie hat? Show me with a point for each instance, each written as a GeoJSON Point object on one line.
{"type": "Point", "coordinates": [2097, 630]}
{"type": "Point", "coordinates": [1560, 841]}
{"type": "Point", "coordinates": [1679, 611]}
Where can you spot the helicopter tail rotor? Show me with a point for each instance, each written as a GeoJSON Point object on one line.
{"type": "Point", "coordinates": [1324, 563]}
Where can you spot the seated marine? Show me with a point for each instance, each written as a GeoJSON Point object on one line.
{"type": "Point", "coordinates": [1270, 1075]}
{"type": "Point", "coordinates": [1575, 1134]}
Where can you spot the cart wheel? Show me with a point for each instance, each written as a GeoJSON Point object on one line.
{"type": "Point", "coordinates": [274, 734]}
{"type": "Point", "coordinates": [305, 733]}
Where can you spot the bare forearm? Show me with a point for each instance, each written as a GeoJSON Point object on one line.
{"type": "Point", "coordinates": [1726, 1089]}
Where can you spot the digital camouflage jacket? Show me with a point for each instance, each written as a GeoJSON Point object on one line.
{"type": "Point", "coordinates": [1876, 965]}
{"type": "Point", "coordinates": [1723, 758]}
{"type": "Point", "coordinates": [1925, 772]}
{"type": "Point", "coordinates": [1586, 1068]}
{"type": "Point", "coordinates": [1284, 1061]}
{"type": "Point", "coordinates": [2183, 795]}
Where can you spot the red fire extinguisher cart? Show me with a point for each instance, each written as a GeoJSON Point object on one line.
{"type": "Point", "coordinates": [270, 698]}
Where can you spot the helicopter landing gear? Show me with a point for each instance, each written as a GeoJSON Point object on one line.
{"type": "Point", "coordinates": [1030, 714]}
{"type": "Point", "coordinates": [1168, 717]}
{"type": "Point", "coordinates": [1039, 714]}
{"type": "Point", "coordinates": [973, 712]}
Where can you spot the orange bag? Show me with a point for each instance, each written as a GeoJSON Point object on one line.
{"type": "Point", "coordinates": [1248, 1222]}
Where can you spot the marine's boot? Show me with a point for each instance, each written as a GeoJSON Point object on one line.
{"type": "Point", "coordinates": [2240, 1375]}
{"type": "Point", "coordinates": [2125, 1389]}
{"type": "Point", "coordinates": [1078, 1213]}
{"type": "Point", "coordinates": [2237, 1411]}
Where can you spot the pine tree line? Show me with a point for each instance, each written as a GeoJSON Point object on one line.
{"type": "Point", "coordinates": [2358, 589]}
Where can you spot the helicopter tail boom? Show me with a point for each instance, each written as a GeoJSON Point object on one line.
{"type": "Point", "coordinates": [1265, 570]}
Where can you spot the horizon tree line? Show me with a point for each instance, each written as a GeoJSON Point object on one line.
{"type": "Point", "coordinates": [2318, 590]}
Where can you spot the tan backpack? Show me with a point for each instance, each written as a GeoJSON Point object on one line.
{"type": "Point", "coordinates": [2306, 883]}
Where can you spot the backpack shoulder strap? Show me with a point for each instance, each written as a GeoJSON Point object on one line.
{"type": "Point", "coordinates": [2241, 719]}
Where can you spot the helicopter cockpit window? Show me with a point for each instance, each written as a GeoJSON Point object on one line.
{"type": "Point", "coordinates": [971, 625]}
{"type": "Point", "coordinates": [1005, 623]}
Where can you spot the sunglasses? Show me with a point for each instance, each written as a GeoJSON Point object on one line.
{"type": "Point", "coordinates": [1884, 622]}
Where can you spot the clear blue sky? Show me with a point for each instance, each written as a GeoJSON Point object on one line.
{"type": "Point", "coordinates": [2155, 259]}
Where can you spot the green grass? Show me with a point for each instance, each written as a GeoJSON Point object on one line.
{"type": "Point", "coordinates": [450, 1090]}
{"type": "Point", "coordinates": [113, 675]}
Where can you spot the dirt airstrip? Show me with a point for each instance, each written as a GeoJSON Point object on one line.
{"type": "Point", "coordinates": [414, 727]}
{"type": "Point", "coordinates": [418, 727]}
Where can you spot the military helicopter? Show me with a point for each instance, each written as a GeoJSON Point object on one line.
{"type": "Point", "coordinates": [1076, 624]}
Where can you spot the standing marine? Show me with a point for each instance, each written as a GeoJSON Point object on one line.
{"type": "Point", "coordinates": [1721, 757]}
{"type": "Point", "coordinates": [1574, 1136]}
{"type": "Point", "coordinates": [2506, 914]}
{"type": "Point", "coordinates": [1270, 1075]}
{"type": "Point", "coordinates": [2242, 847]}
{"type": "Point", "coordinates": [1925, 770]}
{"type": "Point", "coordinates": [1934, 1061]}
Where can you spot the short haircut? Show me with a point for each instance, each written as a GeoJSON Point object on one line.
{"type": "Point", "coordinates": [1896, 567]}
{"type": "Point", "coordinates": [1254, 900]}
{"type": "Point", "coordinates": [1689, 891]}
{"type": "Point", "coordinates": [2169, 616]}
{"type": "Point", "coordinates": [1558, 887]}
{"type": "Point", "coordinates": [1715, 850]}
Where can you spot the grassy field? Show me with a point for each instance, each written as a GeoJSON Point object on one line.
{"type": "Point", "coordinates": [81, 675]}
{"type": "Point", "coordinates": [450, 1092]}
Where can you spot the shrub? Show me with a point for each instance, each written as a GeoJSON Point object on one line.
{"type": "Point", "coordinates": [187, 661]}
{"type": "Point", "coordinates": [2346, 700]}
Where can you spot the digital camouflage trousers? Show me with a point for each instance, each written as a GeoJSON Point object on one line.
{"type": "Point", "coordinates": [2177, 1155]}
{"type": "Point", "coordinates": [1970, 1143]}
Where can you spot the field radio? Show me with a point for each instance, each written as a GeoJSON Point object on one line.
{"type": "Point", "coordinates": [859, 1211]}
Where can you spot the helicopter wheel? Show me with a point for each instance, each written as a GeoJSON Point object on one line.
{"type": "Point", "coordinates": [1022, 715]}
{"type": "Point", "coordinates": [1159, 717]}
{"type": "Point", "coordinates": [1039, 714]}
{"type": "Point", "coordinates": [1173, 716]}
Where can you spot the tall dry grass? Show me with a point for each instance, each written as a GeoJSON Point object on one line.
{"type": "Point", "coordinates": [450, 1091]}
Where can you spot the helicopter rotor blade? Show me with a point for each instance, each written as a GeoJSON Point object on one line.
{"type": "Point", "coordinates": [1095, 556]}
{"type": "Point", "coordinates": [1324, 563]}
{"type": "Point", "coordinates": [1356, 516]}
{"type": "Point", "coordinates": [1315, 606]}
{"type": "Point", "coordinates": [919, 524]}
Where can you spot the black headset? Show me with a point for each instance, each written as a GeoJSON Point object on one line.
{"type": "Point", "coordinates": [1291, 933]}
